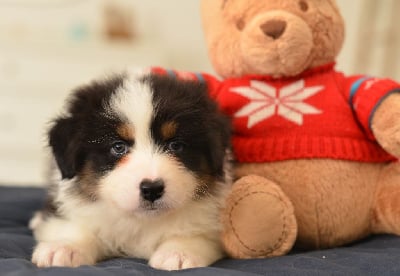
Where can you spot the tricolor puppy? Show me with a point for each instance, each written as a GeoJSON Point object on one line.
{"type": "Point", "coordinates": [144, 165]}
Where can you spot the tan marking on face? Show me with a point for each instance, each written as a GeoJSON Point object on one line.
{"type": "Point", "coordinates": [126, 132]}
{"type": "Point", "coordinates": [123, 161]}
{"type": "Point", "coordinates": [168, 130]}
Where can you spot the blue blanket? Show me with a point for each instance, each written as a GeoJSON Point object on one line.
{"type": "Point", "coordinates": [378, 255]}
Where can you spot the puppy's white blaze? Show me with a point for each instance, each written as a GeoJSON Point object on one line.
{"type": "Point", "coordinates": [134, 102]}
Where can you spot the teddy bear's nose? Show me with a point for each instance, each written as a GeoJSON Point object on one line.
{"type": "Point", "coordinates": [273, 28]}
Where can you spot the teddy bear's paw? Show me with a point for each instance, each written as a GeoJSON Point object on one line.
{"type": "Point", "coordinates": [258, 220]}
{"type": "Point", "coordinates": [55, 254]}
{"type": "Point", "coordinates": [389, 138]}
{"type": "Point", "coordinates": [385, 124]}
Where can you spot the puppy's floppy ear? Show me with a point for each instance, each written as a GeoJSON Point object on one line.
{"type": "Point", "coordinates": [65, 142]}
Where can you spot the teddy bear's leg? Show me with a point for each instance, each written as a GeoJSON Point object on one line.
{"type": "Point", "coordinates": [386, 216]}
{"type": "Point", "coordinates": [258, 220]}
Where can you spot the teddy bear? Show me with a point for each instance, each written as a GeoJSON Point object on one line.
{"type": "Point", "coordinates": [316, 151]}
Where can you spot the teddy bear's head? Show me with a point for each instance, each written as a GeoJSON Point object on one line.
{"type": "Point", "coordinates": [273, 37]}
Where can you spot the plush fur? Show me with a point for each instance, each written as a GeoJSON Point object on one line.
{"type": "Point", "coordinates": [312, 201]}
{"type": "Point", "coordinates": [143, 171]}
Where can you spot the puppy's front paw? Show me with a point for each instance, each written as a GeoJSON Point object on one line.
{"type": "Point", "coordinates": [57, 254]}
{"type": "Point", "coordinates": [174, 260]}
{"type": "Point", "coordinates": [187, 252]}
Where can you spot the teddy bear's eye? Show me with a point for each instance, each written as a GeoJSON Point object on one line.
{"type": "Point", "coordinates": [240, 24]}
{"type": "Point", "coordinates": [223, 4]}
{"type": "Point", "coordinates": [303, 5]}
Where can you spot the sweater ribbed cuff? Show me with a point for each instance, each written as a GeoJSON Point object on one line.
{"type": "Point", "coordinates": [287, 148]}
{"type": "Point", "coordinates": [368, 97]}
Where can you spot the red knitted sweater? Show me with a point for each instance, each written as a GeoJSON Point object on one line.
{"type": "Point", "coordinates": [318, 114]}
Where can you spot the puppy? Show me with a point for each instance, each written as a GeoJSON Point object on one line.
{"type": "Point", "coordinates": [144, 169]}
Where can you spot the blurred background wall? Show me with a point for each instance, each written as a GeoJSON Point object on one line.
{"type": "Point", "coordinates": [49, 46]}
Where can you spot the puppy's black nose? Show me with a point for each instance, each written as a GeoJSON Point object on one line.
{"type": "Point", "coordinates": [152, 190]}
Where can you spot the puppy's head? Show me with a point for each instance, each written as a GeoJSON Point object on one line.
{"type": "Point", "coordinates": [149, 143]}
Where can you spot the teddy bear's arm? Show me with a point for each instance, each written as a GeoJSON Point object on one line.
{"type": "Point", "coordinates": [385, 123]}
{"type": "Point", "coordinates": [366, 95]}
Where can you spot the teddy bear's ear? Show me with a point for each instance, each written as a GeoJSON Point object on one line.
{"type": "Point", "coordinates": [334, 5]}
{"type": "Point", "coordinates": [330, 10]}
{"type": "Point", "coordinates": [211, 13]}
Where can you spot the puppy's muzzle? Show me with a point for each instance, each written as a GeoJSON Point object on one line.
{"type": "Point", "coordinates": [151, 190]}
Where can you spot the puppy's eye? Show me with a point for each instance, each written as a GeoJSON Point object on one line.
{"type": "Point", "coordinates": [175, 146]}
{"type": "Point", "coordinates": [119, 148]}
{"type": "Point", "coordinates": [303, 5]}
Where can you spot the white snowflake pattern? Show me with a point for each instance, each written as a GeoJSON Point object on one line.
{"type": "Point", "coordinates": [266, 101]}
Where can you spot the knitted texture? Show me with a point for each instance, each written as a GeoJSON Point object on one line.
{"type": "Point", "coordinates": [318, 114]}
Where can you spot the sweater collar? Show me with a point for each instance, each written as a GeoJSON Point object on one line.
{"type": "Point", "coordinates": [306, 74]}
